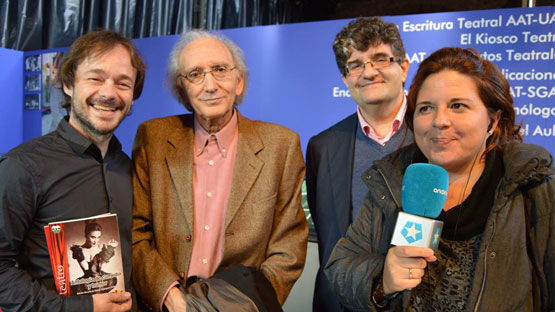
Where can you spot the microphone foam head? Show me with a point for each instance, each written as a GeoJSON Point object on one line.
{"type": "Point", "coordinates": [424, 190]}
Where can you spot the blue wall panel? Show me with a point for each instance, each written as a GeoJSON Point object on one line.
{"type": "Point", "coordinates": [294, 80]}
{"type": "Point", "coordinates": [11, 106]}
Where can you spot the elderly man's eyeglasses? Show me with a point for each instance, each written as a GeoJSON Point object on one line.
{"type": "Point", "coordinates": [219, 72]}
{"type": "Point", "coordinates": [357, 68]}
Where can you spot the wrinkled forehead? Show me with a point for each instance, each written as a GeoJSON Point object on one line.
{"type": "Point", "coordinates": [380, 49]}
{"type": "Point", "coordinates": [203, 53]}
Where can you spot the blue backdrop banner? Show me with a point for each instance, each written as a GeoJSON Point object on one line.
{"type": "Point", "coordinates": [294, 80]}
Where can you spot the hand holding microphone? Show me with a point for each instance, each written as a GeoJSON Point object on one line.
{"type": "Point", "coordinates": [416, 234]}
{"type": "Point", "coordinates": [404, 267]}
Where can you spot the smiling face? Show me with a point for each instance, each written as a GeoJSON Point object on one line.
{"type": "Point", "coordinates": [212, 100]}
{"type": "Point", "coordinates": [450, 121]}
{"type": "Point", "coordinates": [376, 87]}
{"type": "Point", "coordinates": [102, 93]}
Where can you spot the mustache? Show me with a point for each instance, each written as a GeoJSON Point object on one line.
{"type": "Point", "coordinates": [372, 80]}
{"type": "Point", "coordinates": [100, 100]}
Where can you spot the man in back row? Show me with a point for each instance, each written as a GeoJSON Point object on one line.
{"type": "Point", "coordinates": [77, 171]}
{"type": "Point", "coordinates": [371, 58]}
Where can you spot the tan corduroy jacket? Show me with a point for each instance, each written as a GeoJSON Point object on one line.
{"type": "Point", "coordinates": [265, 226]}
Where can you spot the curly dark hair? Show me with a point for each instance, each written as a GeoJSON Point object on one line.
{"type": "Point", "coordinates": [364, 32]}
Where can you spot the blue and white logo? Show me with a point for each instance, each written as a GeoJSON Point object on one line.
{"type": "Point", "coordinates": [436, 238]}
{"type": "Point", "coordinates": [412, 232]}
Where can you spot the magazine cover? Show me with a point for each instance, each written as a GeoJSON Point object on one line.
{"type": "Point", "coordinates": [85, 255]}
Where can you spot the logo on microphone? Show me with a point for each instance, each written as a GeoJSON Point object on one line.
{"type": "Point", "coordinates": [436, 238]}
{"type": "Point", "coordinates": [440, 191]}
{"type": "Point", "coordinates": [412, 232]}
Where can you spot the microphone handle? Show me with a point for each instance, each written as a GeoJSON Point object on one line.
{"type": "Point", "coordinates": [413, 230]}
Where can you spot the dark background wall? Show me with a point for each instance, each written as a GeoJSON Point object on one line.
{"type": "Point", "coordinates": [44, 24]}
{"type": "Point", "coordinates": [336, 9]}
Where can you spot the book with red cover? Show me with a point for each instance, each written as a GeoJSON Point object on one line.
{"type": "Point", "coordinates": [85, 255]}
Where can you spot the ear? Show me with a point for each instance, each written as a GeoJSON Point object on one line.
{"type": "Point", "coordinates": [68, 90]}
{"type": "Point", "coordinates": [494, 120]}
{"type": "Point", "coordinates": [405, 68]}
{"type": "Point", "coordinates": [240, 85]}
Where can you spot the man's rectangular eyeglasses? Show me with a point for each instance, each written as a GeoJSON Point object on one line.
{"type": "Point", "coordinates": [356, 69]}
{"type": "Point", "coordinates": [219, 72]}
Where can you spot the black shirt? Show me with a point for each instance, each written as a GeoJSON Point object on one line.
{"type": "Point", "coordinates": [56, 177]}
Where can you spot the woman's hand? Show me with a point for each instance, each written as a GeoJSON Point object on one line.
{"type": "Point", "coordinates": [404, 267]}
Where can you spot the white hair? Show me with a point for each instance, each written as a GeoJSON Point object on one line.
{"type": "Point", "coordinates": [187, 37]}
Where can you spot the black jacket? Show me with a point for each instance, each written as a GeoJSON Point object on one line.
{"type": "Point", "coordinates": [516, 266]}
{"type": "Point", "coordinates": [329, 171]}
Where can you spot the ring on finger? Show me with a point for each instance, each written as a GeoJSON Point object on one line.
{"type": "Point", "coordinates": [410, 273]}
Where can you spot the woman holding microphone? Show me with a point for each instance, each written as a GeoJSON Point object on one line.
{"type": "Point", "coordinates": [497, 250]}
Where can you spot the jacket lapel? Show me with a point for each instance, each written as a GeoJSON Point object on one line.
{"type": "Point", "coordinates": [341, 168]}
{"type": "Point", "coordinates": [179, 159]}
{"type": "Point", "coordinates": [247, 166]}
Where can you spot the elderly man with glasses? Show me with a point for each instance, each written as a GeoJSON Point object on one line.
{"type": "Point", "coordinates": [215, 191]}
{"type": "Point", "coordinates": [371, 59]}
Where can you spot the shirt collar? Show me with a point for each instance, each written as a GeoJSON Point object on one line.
{"type": "Point", "coordinates": [395, 126]}
{"type": "Point", "coordinates": [223, 138]}
{"type": "Point", "coordinates": [81, 144]}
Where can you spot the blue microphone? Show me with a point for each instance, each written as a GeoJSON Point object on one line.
{"type": "Point", "coordinates": [423, 195]}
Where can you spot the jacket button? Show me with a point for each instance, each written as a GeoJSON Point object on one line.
{"type": "Point", "coordinates": [188, 237]}
{"type": "Point", "coordinates": [182, 275]}
{"type": "Point", "coordinates": [492, 254]}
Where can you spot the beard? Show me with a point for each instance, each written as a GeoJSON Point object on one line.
{"type": "Point", "coordinates": [83, 118]}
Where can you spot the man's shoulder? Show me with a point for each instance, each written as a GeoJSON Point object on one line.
{"type": "Point", "coordinates": [269, 130]}
{"type": "Point", "coordinates": [346, 127]}
{"type": "Point", "coordinates": [35, 149]}
{"type": "Point", "coordinates": [32, 155]}
{"type": "Point", "coordinates": [159, 128]}
{"type": "Point", "coordinates": [169, 122]}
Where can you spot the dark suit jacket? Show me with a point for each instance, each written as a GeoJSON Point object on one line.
{"type": "Point", "coordinates": [265, 226]}
{"type": "Point", "coordinates": [329, 160]}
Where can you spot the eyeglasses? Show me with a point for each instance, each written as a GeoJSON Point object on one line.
{"type": "Point", "coordinates": [356, 69]}
{"type": "Point", "coordinates": [219, 72]}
